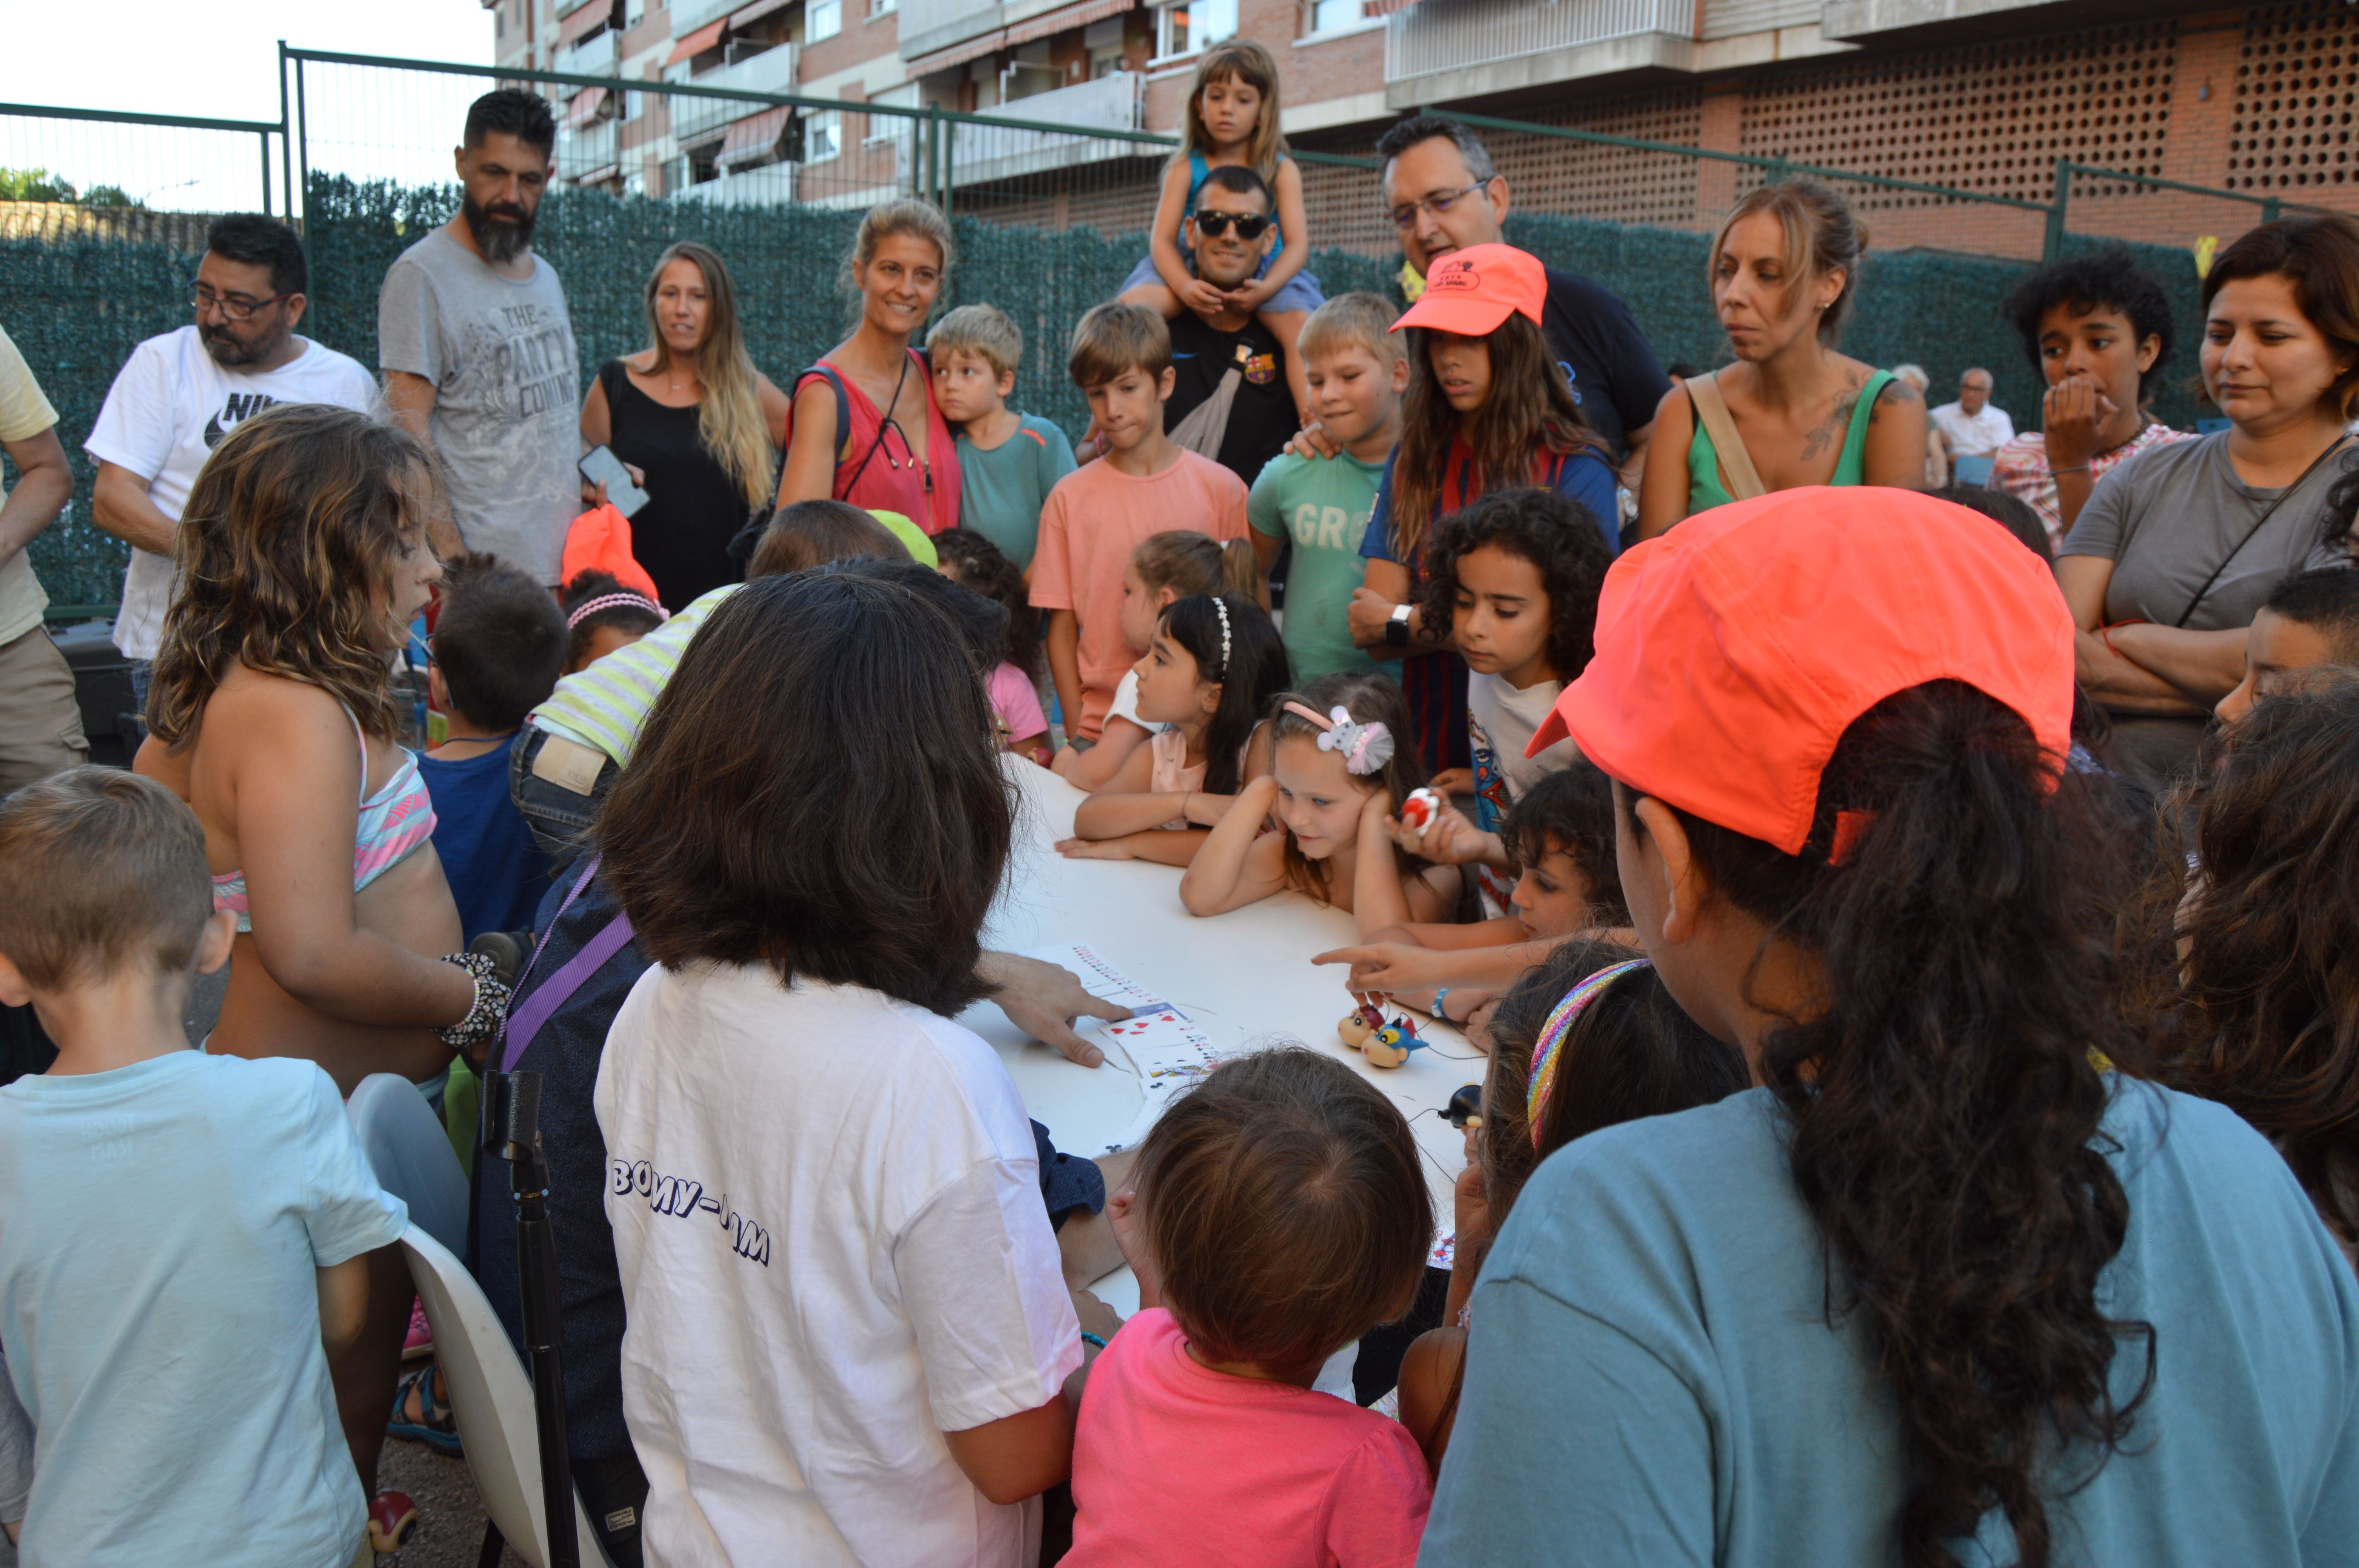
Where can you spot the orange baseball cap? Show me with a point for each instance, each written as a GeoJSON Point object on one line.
{"type": "Point", "coordinates": [1470, 291]}
{"type": "Point", "coordinates": [1733, 651]}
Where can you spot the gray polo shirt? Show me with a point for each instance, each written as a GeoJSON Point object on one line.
{"type": "Point", "coordinates": [508, 392]}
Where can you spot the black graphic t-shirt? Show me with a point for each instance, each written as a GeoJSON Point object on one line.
{"type": "Point", "coordinates": [1262, 419]}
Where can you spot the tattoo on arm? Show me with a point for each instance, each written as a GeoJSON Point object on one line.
{"type": "Point", "coordinates": [1896, 393]}
{"type": "Point", "coordinates": [1831, 430]}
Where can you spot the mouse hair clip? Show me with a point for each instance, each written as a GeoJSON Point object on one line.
{"type": "Point", "coordinates": [1364, 748]}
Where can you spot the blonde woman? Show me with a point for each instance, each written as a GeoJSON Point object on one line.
{"type": "Point", "coordinates": [699, 426]}
{"type": "Point", "coordinates": [1790, 411]}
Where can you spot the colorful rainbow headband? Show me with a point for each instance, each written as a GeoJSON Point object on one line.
{"type": "Point", "coordinates": [615, 601]}
{"type": "Point", "coordinates": [1546, 1052]}
{"type": "Point", "coordinates": [1365, 748]}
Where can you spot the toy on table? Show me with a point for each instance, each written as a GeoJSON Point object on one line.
{"type": "Point", "coordinates": [1466, 1107]}
{"type": "Point", "coordinates": [1382, 1044]}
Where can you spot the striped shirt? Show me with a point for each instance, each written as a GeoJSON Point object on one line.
{"type": "Point", "coordinates": [605, 706]}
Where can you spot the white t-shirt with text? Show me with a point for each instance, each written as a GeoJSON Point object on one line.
{"type": "Point", "coordinates": [171, 406]}
{"type": "Point", "coordinates": [833, 1250]}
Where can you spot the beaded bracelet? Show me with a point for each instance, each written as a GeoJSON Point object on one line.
{"type": "Point", "coordinates": [491, 1004]}
{"type": "Point", "coordinates": [1092, 1339]}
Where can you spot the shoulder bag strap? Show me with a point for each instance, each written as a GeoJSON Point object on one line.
{"type": "Point", "coordinates": [2258, 523]}
{"type": "Point", "coordinates": [1735, 462]}
{"type": "Point", "coordinates": [1207, 424]}
{"type": "Point", "coordinates": [524, 1021]}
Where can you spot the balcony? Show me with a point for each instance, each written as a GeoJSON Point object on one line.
{"type": "Point", "coordinates": [591, 57]}
{"type": "Point", "coordinates": [772, 70]}
{"type": "Point", "coordinates": [585, 149]}
{"type": "Point", "coordinates": [1443, 49]}
{"type": "Point", "coordinates": [981, 154]}
{"type": "Point", "coordinates": [687, 16]}
{"type": "Point", "coordinates": [929, 27]}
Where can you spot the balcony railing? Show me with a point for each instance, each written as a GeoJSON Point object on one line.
{"type": "Point", "coordinates": [772, 70]}
{"type": "Point", "coordinates": [583, 149]}
{"type": "Point", "coordinates": [687, 16]}
{"type": "Point", "coordinates": [927, 25]}
{"type": "Point", "coordinates": [1454, 35]}
{"type": "Point", "coordinates": [594, 57]}
{"type": "Point", "coordinates": [985, 152]}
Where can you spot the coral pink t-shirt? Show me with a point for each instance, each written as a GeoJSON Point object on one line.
{"type": "Point", "coordinates": [1175, 1463]}
{"type": "Point", "coordinates": [1095, 519]}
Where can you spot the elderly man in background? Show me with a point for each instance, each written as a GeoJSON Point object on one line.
{"type": "Point", "coordinates": [1973, 426]}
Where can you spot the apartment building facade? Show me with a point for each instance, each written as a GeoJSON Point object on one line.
{"type": "Point", "coordinates": [1982, 95]}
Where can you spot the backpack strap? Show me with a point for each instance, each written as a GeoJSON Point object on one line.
{"type": "Point", "coordinates": [1735, 462]}
{"type": "Point", "coordinates": [826, 372]}
{"type": "Point", "coordinates": [524, 1021]}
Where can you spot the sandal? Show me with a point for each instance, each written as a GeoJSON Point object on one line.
{"type": "Point", "coordinates": [435, 1426]}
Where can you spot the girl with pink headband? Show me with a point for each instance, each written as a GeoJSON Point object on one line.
{"type": "Point", "coordinates": [1342, 763]}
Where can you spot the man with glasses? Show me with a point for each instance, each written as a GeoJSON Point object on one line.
{"type": "Point", "coordinates": [1444, 194]}
{"type": "Point", "coordinates": [1231, 231]}
{"type": "Point", "coordinates": [179, 395]}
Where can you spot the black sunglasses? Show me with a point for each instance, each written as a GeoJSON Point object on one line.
{"type": "Point", "coordinates": [1249, 225]}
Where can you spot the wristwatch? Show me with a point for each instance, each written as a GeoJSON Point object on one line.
{"type": "Point", "coordinates": [1397, 627]}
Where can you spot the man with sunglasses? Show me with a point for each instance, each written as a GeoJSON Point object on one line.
{"type": "Point", "coordinates": [1444, 194]}
{"type": "Point", "coordinates": [179, 395]}
{"type": "Point", "coordinates": [1231, 231]}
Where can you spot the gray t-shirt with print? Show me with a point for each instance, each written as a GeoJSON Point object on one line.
{"type": "Point", "coordinates": [508, 392]}
{"type": "Point", "coordinates": [2170, 515]}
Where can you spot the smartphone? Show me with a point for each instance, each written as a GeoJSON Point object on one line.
{"type": "Point", "coordinates": [600, 466]}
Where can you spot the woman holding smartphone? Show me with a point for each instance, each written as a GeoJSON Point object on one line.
{"type": "Point", "coordinates": [697, 426]}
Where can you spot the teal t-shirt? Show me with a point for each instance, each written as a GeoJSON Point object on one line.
{"type": "Point", "coordinates": [1323, 504]}
{"type": "Point", "coordinates": [1001, 490]}
{"type": "Point", "coordinates": [161, 1224]}
{"type": "Point", "coordinates": [1651, 1378]}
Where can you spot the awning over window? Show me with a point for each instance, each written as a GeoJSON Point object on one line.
{"type": "Point", "coordinates": [585, 106]}
{"type": "Point", "coordinates": [1374, 9]}
{"type": "Point", "coordinates": [704, 37]}
{"type": "Point", "coordinates": [957, 54]}
{"type": "Point", "coordinates": [1065, 19]}
{"type": "Point", "coordinates": [585, 22]}
{"type": "Point", "coordinates": [754, 135]}
{"type": "Point", "coordinates": [746, 15]}
{"type": "Point", "coordinates": [599, 176]}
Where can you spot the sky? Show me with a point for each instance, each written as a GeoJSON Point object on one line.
{"type": "Point", "coordinates": [220, 62]}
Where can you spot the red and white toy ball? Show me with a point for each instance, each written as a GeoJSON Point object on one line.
{"type": "Point", "coordinates": [391, 1516]}
{"type": "Point", "coordinates": [1420, 810]}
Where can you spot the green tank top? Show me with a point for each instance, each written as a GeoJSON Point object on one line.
{"type": "Point", "coordinates": [1704, 459]}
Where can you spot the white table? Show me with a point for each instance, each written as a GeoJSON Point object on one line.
{"type": "Point", "coordinates": [1245, 977]}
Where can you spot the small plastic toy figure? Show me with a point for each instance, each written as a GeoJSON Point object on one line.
{"type": "Point", "coordinates": [1419, 811]}
{"type": "Point", "coordinates": [391, 1516]}
{"type": "Point", "coordinates": [1360, 1024]}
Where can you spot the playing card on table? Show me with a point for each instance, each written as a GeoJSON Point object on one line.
{"type": "Point", "coordinates": [1100, 978]}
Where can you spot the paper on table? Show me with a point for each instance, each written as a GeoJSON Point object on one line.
{"type": "Point", "coordinates": [1169, 1053]}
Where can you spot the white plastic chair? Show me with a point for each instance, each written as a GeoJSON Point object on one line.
{"type": "Point", "coordinates": [411, 1153]}
{"type": "Point", "coordinates": [491, 1397]}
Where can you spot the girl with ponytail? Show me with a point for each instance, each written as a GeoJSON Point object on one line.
{"type": "Point", "coordinates": [1939, 1290]}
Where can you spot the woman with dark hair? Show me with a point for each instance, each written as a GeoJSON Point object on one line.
{"type": "Point", "coordinates": [2176, 549]}
{"type": "Point", "coordinates": [2255, 952]}
{"type": "Point", "coordinates": [833, 1249]}
{"type": "Point", "coordinates": [1939, 1290]}
{"type": "Point", "coordinates": [1790, 411]}
{"type": "Point", "coordinates": [2097, 326]}
{"type": "Point", "coordinates": [699, 426]}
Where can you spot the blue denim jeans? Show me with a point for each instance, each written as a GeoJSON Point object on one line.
{"type": "Point", "coordinates": [560, 820]}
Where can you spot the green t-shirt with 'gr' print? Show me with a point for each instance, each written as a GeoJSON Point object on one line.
{"type": "Point", "coordinates": [1323, 504]}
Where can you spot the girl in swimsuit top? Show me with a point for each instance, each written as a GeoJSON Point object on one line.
{"type": "Point", "coordinates": [303, 560]}
{"type": "Point", "coordinates": [1784, 267]}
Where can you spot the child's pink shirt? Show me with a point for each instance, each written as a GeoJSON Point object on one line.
{"type": "Point", "coordinates": [1175, 1463]}
{"type": "Point", "coordinates": [1017, 704]}
{"type": "Point", "coordinates": [1094, 521]}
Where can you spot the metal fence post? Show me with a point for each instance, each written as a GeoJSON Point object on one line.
{"type": "Point", "coordinates": [2052, 245]}
{"type": "Point", "coordinates": [949, 150]}
{"type": "Point", "coordinates": [2269, 211]}
{"type": "Point", "coordinates": [302, 143]}
{"type": "Point", "coordinates": [286, 142]}
{"type": "Point", "coordinates": [264, 137]}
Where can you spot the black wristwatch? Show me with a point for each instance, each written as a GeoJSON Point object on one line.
{"type": "Point", "coordinates": [1396, 627]}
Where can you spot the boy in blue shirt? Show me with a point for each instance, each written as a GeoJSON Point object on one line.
{"type": "Point", "coordinates": [499, 645]}
{"type": "Point", "coordinates": [183, 1237]}
{"type": "Point", "coordinates": [1008, 462]}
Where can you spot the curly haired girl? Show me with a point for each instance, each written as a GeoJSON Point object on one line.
{"type": "Point", "coordinates": [1516, 576]}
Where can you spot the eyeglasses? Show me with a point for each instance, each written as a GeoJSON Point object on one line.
{"type": "Point", "coordinates": [236, 307]}
{"type": "Point", "coordinates": [1439, 204]}
{"type": "Point", "coordinates": [1249, 225]}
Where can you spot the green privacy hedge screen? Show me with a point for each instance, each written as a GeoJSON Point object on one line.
{"type": "Point", "coordinates": [76, 308]}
